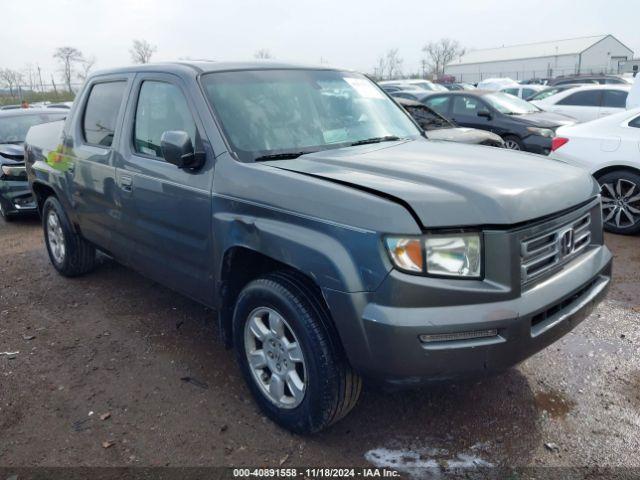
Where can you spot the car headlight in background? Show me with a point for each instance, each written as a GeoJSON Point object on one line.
{"type": "Point", "coordinates": [543, 132]}
{"type": "Point", "coordinates": [457, 255]}
{"type": "Point", "coordinates": [14, 171]}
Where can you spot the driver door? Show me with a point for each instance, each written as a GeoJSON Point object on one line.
{"type": "Point", "coordinates": [167, 209]}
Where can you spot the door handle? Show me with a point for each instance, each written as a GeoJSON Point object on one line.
{"type": "Point", "coordinates": [126, 182]}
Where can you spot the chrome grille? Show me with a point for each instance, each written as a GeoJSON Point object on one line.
{"type": "Point", "coordinates": [546, 251]}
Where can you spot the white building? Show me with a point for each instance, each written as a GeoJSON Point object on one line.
{"type": "Point", "coordinates": [599, 54]}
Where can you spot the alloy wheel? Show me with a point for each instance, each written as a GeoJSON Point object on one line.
{"type": "Point", "coordinates": [620, 203]}
{"type": "Point", "coordinates": [275, 357]}
{"type": "Point", "coordinates": [55, 237]}
{"type": "Point", "coordinates": [511, 145]}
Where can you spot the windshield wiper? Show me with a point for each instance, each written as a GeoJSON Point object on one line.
{"type": "Point", "coordinates": [366, 141]}
{"type": "Point", "coordinates": [281, 156]}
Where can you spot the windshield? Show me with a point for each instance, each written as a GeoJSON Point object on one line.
{"type": "Point", "coordinates": [14, 128]}
{"type": "Point", "coordinates": [270, 112]}
{"type": "Point", "coordinates": [510, 105]}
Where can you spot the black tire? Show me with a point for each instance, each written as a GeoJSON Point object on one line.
{"type": "Point", "coordinates": [617, 188]}
{"type": "Point", "coordinates": [513, 143]}
{"type": "Point", "coordinates": [4, 212]}
{"type": "Point", "coordinates": [79, 256]}
{"type": "Point", "coordinates": [332, 388]}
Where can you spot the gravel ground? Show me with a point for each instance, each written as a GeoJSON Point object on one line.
{"type": "Point", "coordinates": [113, 344]}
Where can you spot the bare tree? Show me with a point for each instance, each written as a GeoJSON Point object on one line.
{"type": "Point", "coordinates": [142, 51]}
{"type": "Point", "coordinates": [69, 58]}
{"type": "Point", "coordinates": [389, 65]}
{"type": "Point", "coordinates": [441, 53]}
{"type": "Point", "coordinates": [85, 68]}
{"type": "Point", "coordinates": [10, 79]}
{"type": "Point", "coordinates": [262, 54]}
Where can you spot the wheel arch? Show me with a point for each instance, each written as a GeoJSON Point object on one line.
{"type": "Point", "coordinates": [241, 265]}
{"type": "Point", "coordinates": [613, 168]}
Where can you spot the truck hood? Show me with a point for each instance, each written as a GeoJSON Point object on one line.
{"type": "Point", "coordinates": [453, 185]}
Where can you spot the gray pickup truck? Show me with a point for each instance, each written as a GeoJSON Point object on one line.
{"type": "Point", "coordinates": [333, 239]}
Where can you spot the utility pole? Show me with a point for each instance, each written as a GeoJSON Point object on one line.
{"type": "Point", "coordinates": [53, 82]}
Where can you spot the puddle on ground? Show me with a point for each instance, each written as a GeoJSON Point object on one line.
{"type": "Point", "coordinates": [556, 404]}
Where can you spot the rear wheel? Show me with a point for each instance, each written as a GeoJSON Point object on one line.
{"type": "Point", "coordinates": [70, 254]}
{"type": "Point", "coordinates": [620, 192]}
{"type": "Point", "coordinates": [290, 354]}
{"type": "Point", "coordinates": [513, 143]}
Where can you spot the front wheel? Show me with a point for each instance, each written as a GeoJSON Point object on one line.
{"type": "Point", "coordinates": [70, 254]}
{"type": "Point", "coordinates": [290, 354]}
{"type": "Point", "coordinates": [513, 143]}
{"type": "Point", "coordinates": [620, 192]}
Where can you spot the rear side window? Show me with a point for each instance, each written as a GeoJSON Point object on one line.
{"type": "Point", "coordinates": [101, 113]}
{"type": "Point", "coordinates": [635, 122]}
{"type": "Point", "coordinates": [511, 91]}
{"type": "Point", "coordinates": [161, 107]}
{"type": "Point", "coordinates": [587, 98]}
{"type": "Point", "coordinates": [439, 104]}
{"type": "Point", "coordinates": [614, 98]}
{"type": "Point", "coordinates": [527, 93]}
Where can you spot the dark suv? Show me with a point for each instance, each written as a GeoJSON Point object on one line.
{"type": "Point", "coordinates": [334, 240]}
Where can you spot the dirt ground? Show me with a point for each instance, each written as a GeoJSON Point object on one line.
{"type": "Point", "coordinates": [115, 343]}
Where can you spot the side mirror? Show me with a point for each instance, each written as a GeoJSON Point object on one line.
{"type": "Point", "coordinates": [485, 113]}
{"type": "Point", "coordinates": [177, 149]}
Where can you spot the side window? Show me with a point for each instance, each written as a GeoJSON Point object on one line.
{"type": "Point", "coordinates": [527, 93]}
{"type": "Point", "coordinates": [614, 98]}
{"type": "Point", "coordinates": [635, 122]}
{"type": "Point", "coordinates": [161, 107]}
{"type": "Point", "coordinates": [467, 106]}
{"type": "Point", "coordinates": [586, 98]}
{"type": "Point", "coordinates": [511, 91]}
{"type": "Point", "coordinates": [439, 104]}
{"type": "Point", "coordinates": [101, 113]}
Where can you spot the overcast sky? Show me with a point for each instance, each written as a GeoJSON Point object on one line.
{"type": "Point", "coordinates": [348, 33]}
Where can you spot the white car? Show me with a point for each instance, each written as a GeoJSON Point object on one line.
{"type": "Point", "coordinates": [610, 149]}
{"type": "Point", "coordinates": [495, 84]}
{"type": "Point", "coordinates": [588, 102]}
{"type": "Point", "coordinates": [523, 91]}
{"type": "Point", "coordinates": [414, 83]}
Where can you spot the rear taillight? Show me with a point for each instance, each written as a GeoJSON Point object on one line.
{"type": "Point", "coordinates": [557, 142]}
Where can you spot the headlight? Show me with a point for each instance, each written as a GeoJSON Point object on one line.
{"type": "Point", "coordinates": [451, 255]}
{"type": "Point", "coordinates": [14, 171]}
{"type": "Point", "coordinates": [543, 132]}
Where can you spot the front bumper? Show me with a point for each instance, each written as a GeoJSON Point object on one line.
{"type": "Point", "coordinates": [16, 197]}
{"type": "Point", "coordinates": [537, 144]}
{"type": "Point", "coordinates": [390, 349]}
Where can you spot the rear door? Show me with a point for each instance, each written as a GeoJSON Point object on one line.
{"type": "Point", "coordinates": [90, 146]}
{"type": "Point", "coordinates": [613, 101]}
{"type": "Point", "coordinates": [167, 209]}
{"type": "Point", "coordinates": [583, 105]}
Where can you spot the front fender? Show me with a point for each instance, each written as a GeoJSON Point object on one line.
{"type": "Point", "coordinates": [335, 256]}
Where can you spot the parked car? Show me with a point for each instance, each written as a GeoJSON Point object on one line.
{"type": "Point", "coordinates": [523, 126]}
{"type": "Point", "coordinates": [15, 195]}
{"type": "Point", "coordinates": [438, 127]}
{"type": "Point", "coordinates": [609, 148]}
{"type": "Point", "coordinates": [458, 86]}
{"type": "Point", "coordinates": [589, 79]}
{"type": "Point", "coordinates": [548, 91]}
{"type": "Point", "coordinates": [414, 84]}
{"type": "Point", "coordinates": [334, 240]}
{"type": "Point", "coordinates": [522, 91]}
{"type": "Point", "coordinates": [391, 89]}
{"type": "Point", "coordinates": [495, 84]}
{"type": "Point", "coordinates": [588, 102]}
